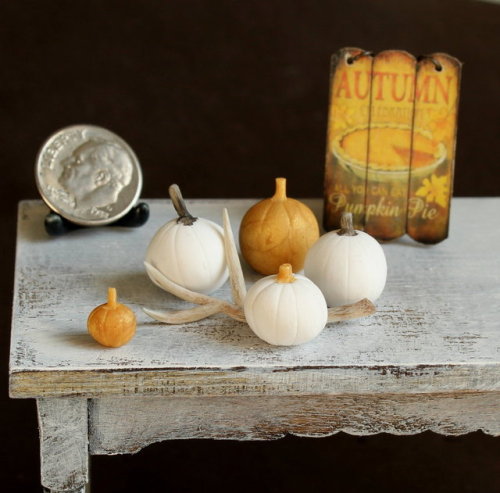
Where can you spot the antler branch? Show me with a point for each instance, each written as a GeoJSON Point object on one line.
{"type": "Point", "coordinates": [209, 305]}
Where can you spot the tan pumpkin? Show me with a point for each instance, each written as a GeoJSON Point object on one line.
{"type": "Point", "coordinates": [112, 324]}
{"type": "Point", "coordinates": [276, 231]}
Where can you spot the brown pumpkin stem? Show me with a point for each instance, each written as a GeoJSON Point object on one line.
{"type": "Point", "coordinates": [280, 193]}
{"type": "Point", "coordinates": [180, 206]}
{"type": "Point", "coordinates": [346, 227]}
{"type": "Point", "coordinates": [112, 298]}
{"type": "Point", "coordinates": [285, 273]}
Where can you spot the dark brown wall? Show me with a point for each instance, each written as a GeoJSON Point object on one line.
{"type": "Point", "coordinates": [222, 96]}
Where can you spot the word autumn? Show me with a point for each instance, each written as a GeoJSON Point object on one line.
{"type": "Point", "coordinates": [393, 86]}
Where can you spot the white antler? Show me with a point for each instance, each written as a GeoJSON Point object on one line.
{"type": "Point", "coordinates": [209, 305]}
{"type": "Point", "coordinates": [238, 287]}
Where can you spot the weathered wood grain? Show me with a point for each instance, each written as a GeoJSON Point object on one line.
{"type": "Point", "coordinates": [440, 310]}
{"type": "Point", "coordinates": [432, 333]}
{"type": "Point", "coordinates": [240, 381]}
{"type": "Point", "coordinates": [83, 489]}
{"type": "Point", "coordinates": [122, 425]}
{"type": "Point", "coordinates": [63, 444]}
{"type": "Point", "coordinates": [429, 359]}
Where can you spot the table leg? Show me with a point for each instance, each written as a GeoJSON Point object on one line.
{"type": "Point", "coordinates": [64, 452]}
{"type": "Point", "coordinates": [83, 489]}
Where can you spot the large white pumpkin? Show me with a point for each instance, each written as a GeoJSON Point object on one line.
{"type": "Point", "coordinates": [285, 309]}
{"type": "Point", "coordinates": [347, 265]}
{"type": "Point", "coordinates": [189, 251]}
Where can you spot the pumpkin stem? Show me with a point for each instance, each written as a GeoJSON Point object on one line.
{"type": "Point", "coordinates": [112, 298]}
{"type": "Point", "coordinates": [280, 193]}
{"type": "Point", "coordinates": [346, 227]}
{"type": "Point", "coordinates": [285, 274]}
{"type": "Point", "coordinates": [180, 206]}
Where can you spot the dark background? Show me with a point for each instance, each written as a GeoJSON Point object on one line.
{"type": "Point", "coordinates": [222, 97]}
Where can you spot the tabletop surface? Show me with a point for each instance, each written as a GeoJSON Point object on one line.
{"type": "Point", "coordinates": [436, 327]}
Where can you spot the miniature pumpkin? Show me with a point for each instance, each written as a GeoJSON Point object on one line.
{"type": "Point", "coordinates": [189, 250]}
{"type": "Point", "coordinates": [285, 309]}
{"type": "Point", "coordinates": [347, 265]}
{"type": "Point", "coordinates": [277, 230]}
{"type": "Point", "coordinates": [112, 324]}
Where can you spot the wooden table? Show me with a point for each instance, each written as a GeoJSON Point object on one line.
{"type": "Point", "coordinates": [429, 359]}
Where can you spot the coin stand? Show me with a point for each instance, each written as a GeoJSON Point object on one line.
{"type": "Point", "coordinates": [88, 177]}
{"type": "Point", "coordinates": [56, 225]}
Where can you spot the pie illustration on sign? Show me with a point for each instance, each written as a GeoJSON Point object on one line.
{"type": "Point", "coordinates": [390, 149]}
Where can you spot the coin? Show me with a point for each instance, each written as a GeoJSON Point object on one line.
{"type": "Point", "coordinates": [88, 175]}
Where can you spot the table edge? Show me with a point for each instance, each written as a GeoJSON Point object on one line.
{"type": "Point", "coordinates": [247, 381]}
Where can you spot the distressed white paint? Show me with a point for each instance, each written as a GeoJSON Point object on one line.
{"type": "Point", "coordinates": [439, 314]}
{"type": "Point", "coordinates": [63, 443]}
{"type": "Point", "coordinates": [125, 425]}
{"type": "Point", "coordinates": [429, 359]}
{"type": "Point", "coordinates": [296, 380]}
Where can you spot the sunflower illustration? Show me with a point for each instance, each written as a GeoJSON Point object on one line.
{"type": "Point", "coordinates": [435, 189]}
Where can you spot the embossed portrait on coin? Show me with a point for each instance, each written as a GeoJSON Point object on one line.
{"type": "Point", "coordinates": [95, 173]}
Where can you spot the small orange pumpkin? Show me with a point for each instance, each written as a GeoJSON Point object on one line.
{"type": "Point", "coordinates": [277, 231]}
{"type": "Point", "coordinates": [112, 324]}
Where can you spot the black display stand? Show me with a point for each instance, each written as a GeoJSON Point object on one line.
{"type": "Point", "coordinates": [56, 225]}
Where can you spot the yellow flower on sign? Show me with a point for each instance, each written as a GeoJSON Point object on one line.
{"type": "Point", "coordinates": [435, 190]}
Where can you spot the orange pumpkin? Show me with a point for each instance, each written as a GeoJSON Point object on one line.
{"type": "Point", "coordinates": [276, 231]}
{"type": "Point", "coordinates": [112, 324]}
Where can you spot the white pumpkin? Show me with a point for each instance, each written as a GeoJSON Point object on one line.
{"type": "Point", "coordinates": [189, 251]}
{"type": "Point", "coordinates": [285, 309]}
{"type": "Point", "coordinates": [347, 265]}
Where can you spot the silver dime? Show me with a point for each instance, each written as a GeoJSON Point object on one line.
{"type": "Point", "coordinates": [88, 175]}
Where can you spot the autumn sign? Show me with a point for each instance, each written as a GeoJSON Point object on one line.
{"type": "Point", "coordinates": [391, 143]}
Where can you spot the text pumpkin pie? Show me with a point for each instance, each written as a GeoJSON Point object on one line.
{"type": "Point", "coordinates": [392, 127]}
